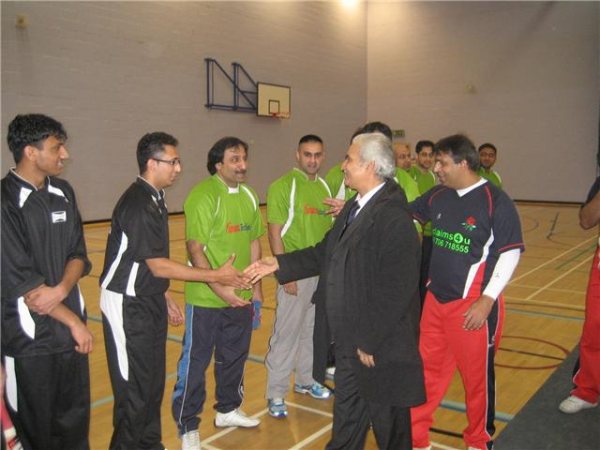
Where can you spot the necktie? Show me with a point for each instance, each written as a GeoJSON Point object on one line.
{"type": "Point", "coordinates": [352, 213]}
{"type": "Point", "coordinates": [350, 217]}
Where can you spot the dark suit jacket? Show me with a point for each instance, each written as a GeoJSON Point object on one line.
{"type": "Point", "coordinates": [368, 296]}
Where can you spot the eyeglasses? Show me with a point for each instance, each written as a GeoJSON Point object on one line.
{"type": "Point", "coordinates": [173, 162]}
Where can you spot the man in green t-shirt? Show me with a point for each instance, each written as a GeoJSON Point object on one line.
{"type": "Point", "coordinates": [425, 179]}
{"type": "Point", "coordinates": [335, 181]}
{"type": "Point", "coordinates": [222, 217]}
{"type": "Point", "coordinates": [402, 155]}
{"type": "Point", "coordinates": [487, 159]}
{"type": "Point", "coordinates": [297, 219]}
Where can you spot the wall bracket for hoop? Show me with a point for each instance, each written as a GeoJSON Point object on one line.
{"type": "Point", "coordinates": [243, 100]}
{"type": "Point", "coordinates": [264, 99]}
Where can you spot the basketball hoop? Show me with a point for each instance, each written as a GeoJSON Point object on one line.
{"type": "Point", "coordinates": [280, 115]}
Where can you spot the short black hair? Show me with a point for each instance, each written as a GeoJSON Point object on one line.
{"type": "Point", "coordinates": [374, 127]}
{"type": "Point", "coordinates": [460, 148]}
{"type": "Point", "coordinates": [32, 129]}
{"type": "Point", "coordinates": [488, 145]}
{"type": "Point", "coordinates": [421, 144]}
{"type": "Point", "coordinates": [216, 153]}
{"type": "Point", "coordinates": [310, 138]}
{"type": "Point", "coordinates": [152, 145]}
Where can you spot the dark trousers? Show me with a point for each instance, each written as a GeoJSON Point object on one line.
{"type": "Point", "coordinates": [426, 247]}
{"type": "Point", "coordinates": [352, 414]}
{"type": "Point", "coordinates": [52, 410]}
{"type": "Point", "coordinates": [227, 333]}
{"type": "Point", "coordinates": [139, 382]}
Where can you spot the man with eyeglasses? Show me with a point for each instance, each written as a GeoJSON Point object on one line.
{"type": "Point", "coordinates": [134, 300]}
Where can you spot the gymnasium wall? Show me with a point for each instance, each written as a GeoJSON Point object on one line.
{"type": "Point", "coordinates": [112, 71]}
{"type": "Point", "coordinates": [523, 75]}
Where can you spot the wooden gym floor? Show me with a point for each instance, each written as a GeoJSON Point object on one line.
{"type": "Point", "coordinates": [544, 315]}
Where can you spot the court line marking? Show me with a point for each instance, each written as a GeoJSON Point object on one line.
{"type": "Point", "coordinates": [530, 296]}
{"type": "Point", "coordinates": [312, 437]}
{"type": "Point", "coordinates": [228, 430]}
{"type": "Point", "coordinates": [309, 409]}
{"type": "Point", "coordinates": [542, 314]}
{"type": "Point", "coordinates": [554, 259]}
{"type": "Point", "coordinates": [435, 445]}
{"type": "Point", "coordinates": [569, 291]}
{"type": "Point", "coordinates": [550, 304]}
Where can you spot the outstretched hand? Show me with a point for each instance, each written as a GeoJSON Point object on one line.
{"type": "Point", "coordinates": [335, 205]}
{"type": "Point", "coordinates": [230, 276]}
{"type": "Point", "coordinates": [261, 268]}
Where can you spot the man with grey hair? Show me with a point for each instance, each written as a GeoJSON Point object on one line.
{"type": "Point", "coordinates": [368, 301]}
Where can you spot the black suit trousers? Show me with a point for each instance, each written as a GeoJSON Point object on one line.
{"type": "Point", "coordinates": [353, 414]}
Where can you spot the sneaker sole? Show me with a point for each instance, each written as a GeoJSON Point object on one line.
{"type": "Point", "coordinates": [281, 415]}
{"type": "Point", "coordinates": [309, 392]}
{"type": "Point", "coordinates": [236, 426]}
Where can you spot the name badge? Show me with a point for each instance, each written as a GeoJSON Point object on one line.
{"type": "Point", "coordinates": [59, 216]}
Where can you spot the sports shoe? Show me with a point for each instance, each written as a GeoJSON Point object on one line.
{"type": "Point", "coordinates": [572, 405]}
{"type": "Point", "coordinates": [316, 390]}
{"type": "Point", "coordinates": [190, 440]}
{"type": "Point", "coordinates": [235, 418]}
{"type": "Point", "coordinates": [277, 408]}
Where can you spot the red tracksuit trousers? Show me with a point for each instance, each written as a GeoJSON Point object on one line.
{"type": "Point", "coordinates": [587, 378]}
{"type": "Point", "coordinates": [445, 346]}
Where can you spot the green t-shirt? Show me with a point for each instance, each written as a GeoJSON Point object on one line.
{"type": "Point", "coordinates": [335, 180]}
{"type": "Point", "coordinates": [492, 176]}
{"type": "Point", "coordinates": [409, 185]}
{"type": "Point", "coordinates": [296, 202]}
{"type": "Point", "coordinates": [425, 181]}
{"type": "Point", "coordinates": [225, 220]}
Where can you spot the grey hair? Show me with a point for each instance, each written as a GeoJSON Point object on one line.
{"type": "Point", "coordinates": [377, 147]}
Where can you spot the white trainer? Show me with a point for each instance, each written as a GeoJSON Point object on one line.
{"type": "Point", "coordinates": [572, 405]}
{"type": "Point", "coordinates": [190, 440]}
{"type": "Point", "coordinates": [235, 418]}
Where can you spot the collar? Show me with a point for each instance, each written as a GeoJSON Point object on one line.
{"type": "Point", "coordinates": [465, 191]}
{"type": "Point", "coordinates": [148, 186]}
{"type": "Point", "coordinates": [362, 201]}
{"type": "Point", "coordinates": [303, 174]}
{"type": "Point", "coordinates": [25, 182]}
{"type": "Point", "coordinates": [230, 190]}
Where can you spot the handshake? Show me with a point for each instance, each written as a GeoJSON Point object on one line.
{"type": "Point", "coordinates": [229, 281]}
{"type": "Point", "coordinates": [230, 276]}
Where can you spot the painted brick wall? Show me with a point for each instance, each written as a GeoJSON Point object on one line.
{"type": "Point", "coordinates": [112, 71]}
{"type": "Point", "coordinates": [534, 72]}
